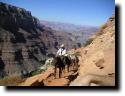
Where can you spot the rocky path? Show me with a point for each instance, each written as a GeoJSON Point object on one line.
{"type": "Point", "coordinates": [65, 80]}
{"type": "Point", "coordinates": [47, 78]}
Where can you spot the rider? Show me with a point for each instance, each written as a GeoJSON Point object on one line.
{"type": "Point", "coordinates": [61, 51]}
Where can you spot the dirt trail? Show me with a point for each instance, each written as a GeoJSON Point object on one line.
{"type": "Point", "coordinates": [66, 78]}
{"type": "Point", "coordinates": [47, 78]}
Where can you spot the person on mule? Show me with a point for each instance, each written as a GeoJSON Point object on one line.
{"type": "Point", "coordinates": [61, 51]}
{"type": "Point", "coordinates": [59, 60]}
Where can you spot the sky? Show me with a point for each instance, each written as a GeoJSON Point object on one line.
{"type": "Point", "coordinates": [79, 12]}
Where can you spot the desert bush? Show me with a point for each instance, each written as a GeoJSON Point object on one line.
{"type": "Point", "coordinates": [100, 32]}
{"type": "Point", "coordinates": [43, 68]}
{"type": "Point", "coordinates": [88, 42]}
{"type": "Point", "coordinates": [103, 26]}
{"type": "Point", "coordinates": [79, 45]}
{"type": "Point", "coordinates": [77, 54]}
{"type": "Point", "coordinates": [11, 81]}
{"type": "Point", "coordinates": [37, 72]}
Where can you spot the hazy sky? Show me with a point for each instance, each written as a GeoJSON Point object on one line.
{"type": "Point", "coordinates": [81, 12]}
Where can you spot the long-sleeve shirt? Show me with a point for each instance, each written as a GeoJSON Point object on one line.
{"type": "Point", "coordinates": [61, 52]}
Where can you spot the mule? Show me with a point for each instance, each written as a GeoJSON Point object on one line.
{"type": "Point", "coordinates": [61, 62]}
{"type": "Point", "coordinates": [67, 62]}
{"type": "Point", "coordinates": [58, 64]}
{"type": "Point", "coordinates": [74, 61]}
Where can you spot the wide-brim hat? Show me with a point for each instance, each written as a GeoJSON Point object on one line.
{"type": "Point", "coordinates": [62, 45]}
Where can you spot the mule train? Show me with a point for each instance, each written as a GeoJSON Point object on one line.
{"type": "Point", "coordinates": [65, 63]}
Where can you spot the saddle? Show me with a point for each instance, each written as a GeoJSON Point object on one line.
{"type": "Point", "coordinates": [63, 59]}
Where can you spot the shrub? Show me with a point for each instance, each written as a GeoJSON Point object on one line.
{"type": "Point", "coordinates": [37, 72]}
{"type": "Point", "coordinates": [103, 26]}
{"type": "Point", "coordinates": [88, 42]}
{"type": "Point", "coordinates": [101, 29]}
{"type": "Point", "coordinates": [79, 45]}
{"type": "Point", "coordinates": [77, 54]}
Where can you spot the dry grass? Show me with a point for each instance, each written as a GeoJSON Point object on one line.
{"type": "Point", "coordinates": [100, 32]}
{"type": "Point", "coordinates": [88, 42]}
{"type": "Point", "coordinates": [77, 54]}
{"type": "Point", "coordinates": [11, 81]}
{"type": "Point", "coordinates": [103, 26]}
